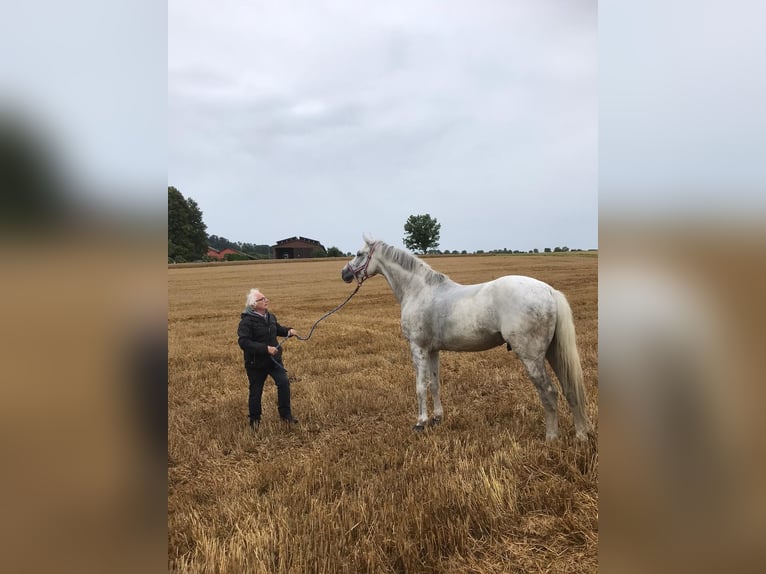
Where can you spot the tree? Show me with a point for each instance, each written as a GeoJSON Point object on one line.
{"type": "Point", "coordinates": [421, 233]}
{"type": "Point", "coordinates": [255, 251]}
{"type": "Point", "coordinates": [187, 233]}
{"type": "Point", "coordinates": [334, 252]}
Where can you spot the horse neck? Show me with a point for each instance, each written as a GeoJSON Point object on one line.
{"type": "Point", "coordinates": [402, 281]}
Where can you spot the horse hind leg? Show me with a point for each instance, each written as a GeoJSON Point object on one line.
{"type": "Point", "coordinates": [548, 395]}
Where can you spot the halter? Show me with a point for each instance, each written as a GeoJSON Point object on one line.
{"type": "Point", "coordinates": [363, 267]}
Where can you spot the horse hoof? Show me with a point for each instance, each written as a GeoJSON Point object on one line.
{"type": "Point", "coordinates": [435, 421]}
{"type": "Point", "coordinates": [418, 428]}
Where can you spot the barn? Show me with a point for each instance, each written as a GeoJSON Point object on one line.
{"type": "Point", "coordinates": [297, 248]}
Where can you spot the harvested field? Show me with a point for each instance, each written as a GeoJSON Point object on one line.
{"type": "Point", "coordinates": [352, 488]}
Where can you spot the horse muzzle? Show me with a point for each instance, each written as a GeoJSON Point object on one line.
{"type": "Point", "coordinates": [346, 274]}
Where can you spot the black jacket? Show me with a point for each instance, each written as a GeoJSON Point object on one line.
{"type": "Point", "coordinates": [255, 334]}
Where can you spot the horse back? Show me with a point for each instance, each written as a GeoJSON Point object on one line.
{"type": "Point", "coordinates": [477, 317]}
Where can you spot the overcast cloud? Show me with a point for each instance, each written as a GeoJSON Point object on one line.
{"type": "Point", "coordinates": [330, 119]}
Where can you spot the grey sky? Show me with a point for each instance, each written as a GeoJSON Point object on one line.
{"type": "Point", "coordinates": [330, 119]}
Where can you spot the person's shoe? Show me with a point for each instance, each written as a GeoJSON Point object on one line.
{"type": "Point", "coordinates": [290, 420]}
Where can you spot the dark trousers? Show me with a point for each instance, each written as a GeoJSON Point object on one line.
{"type": "Point", "coordinates": [257, 377]}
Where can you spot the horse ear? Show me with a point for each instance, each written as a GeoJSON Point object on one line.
{"type": "Point", "coordinates": [368, 239]}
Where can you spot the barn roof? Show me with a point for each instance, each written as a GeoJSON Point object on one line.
{"type": "Point", "coordinates": [298, 239]}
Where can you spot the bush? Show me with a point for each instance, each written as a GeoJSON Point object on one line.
{"type": "Point", "coordinates": [235, 257]}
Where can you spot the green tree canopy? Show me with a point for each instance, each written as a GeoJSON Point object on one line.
{"type": "Point", "coordinates": [260, 251]}
{"type": "Point", "coordinates": [421, 233]}
{"type": "Point", "coordinates": [187, 233]}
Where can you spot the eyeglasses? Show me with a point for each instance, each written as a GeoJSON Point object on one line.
{"type": "Point", "coordinates": [261, 299]}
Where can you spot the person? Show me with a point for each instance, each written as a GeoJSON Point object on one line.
{"type": "Point", "coordinates": [257, 335]}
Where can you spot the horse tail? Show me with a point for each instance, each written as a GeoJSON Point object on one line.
{"type": "Point", "coordinates": [565, 360]}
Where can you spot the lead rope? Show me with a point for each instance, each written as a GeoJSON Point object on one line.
{"type": "Point", "coordinates": [314, 326]}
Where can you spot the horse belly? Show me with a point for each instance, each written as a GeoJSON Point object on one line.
{"type": "Point", "coordinates": [470, 340]}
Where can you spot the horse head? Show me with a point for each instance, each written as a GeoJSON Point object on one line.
{"type": "Point", "coordinates": [359, 267]}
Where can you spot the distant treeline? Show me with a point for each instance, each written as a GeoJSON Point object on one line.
{"type": "Point", "coordinates": [259, 251]}
{"type": "Point", "coordinates": [505, 251]}
{"type": "Point", "coordinates": [264, 251]}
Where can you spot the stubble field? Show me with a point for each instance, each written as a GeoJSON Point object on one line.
{"type": "Point", "coordinates": [353, 488]}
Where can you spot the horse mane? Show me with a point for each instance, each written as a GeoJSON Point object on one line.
{"type": "Point", "coordinates": [411, 263]}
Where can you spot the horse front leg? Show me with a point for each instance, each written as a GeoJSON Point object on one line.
{"type": "Point", "coordinates": [433, 373]}
{"type": "Point", "coordinates": [421, 362]}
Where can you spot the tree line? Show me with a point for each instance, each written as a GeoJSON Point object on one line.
{"type": "Point", "coordinates": [188, 239]}
{"type": "Point", "coordinates": [257, 251]}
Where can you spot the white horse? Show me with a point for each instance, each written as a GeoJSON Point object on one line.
{"type": "Point", "coordinates": [529, 316]}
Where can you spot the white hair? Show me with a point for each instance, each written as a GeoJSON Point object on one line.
{"type": "Point", "coordinates": [252, 296]}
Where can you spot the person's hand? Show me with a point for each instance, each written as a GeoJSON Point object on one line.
{"type": "Point", "coordinates": [272, 350]}
{"type": "Point", "coordinates": [292, 333]}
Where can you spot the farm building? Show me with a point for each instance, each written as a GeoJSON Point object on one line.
{"type": "Point", "coordinates": [221, 254]}
{"type": "Point", "coordinates": [297, 248]}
